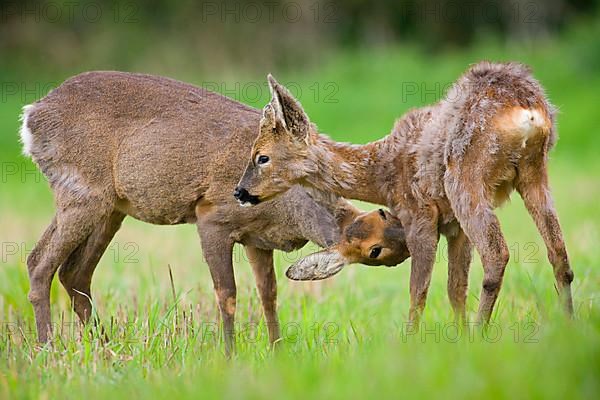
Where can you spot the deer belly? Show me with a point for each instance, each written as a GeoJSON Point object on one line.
{"type": "Point", "coordinates": [155, 199]}
{"type": "Point", "coordinates": [158, 214]}
{"type": "Point", "coordinates": [158, 178]}
{"type": "Point", "coordinates": [268, 235]}
{"type": "Point", "coordinates": [270, 239]}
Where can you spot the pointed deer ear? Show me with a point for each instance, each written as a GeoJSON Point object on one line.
{"type": "Point", "coordinates": [345, 213]}
{"type": "Point", "coordinates": [268, 115]}
{"type": "Point", "coordinates": [271, 119]}
{"type": "Point", "coordinates": [287, 110]}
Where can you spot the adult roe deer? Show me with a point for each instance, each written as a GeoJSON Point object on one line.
{"type": "Point", "coordinates": [443, 169]}
{"type": "Point", "coordinates": [114, 144]}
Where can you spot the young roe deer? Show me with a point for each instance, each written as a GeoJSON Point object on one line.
{"type": "Point", "coordinates": [114, 144]}
{"type": "Point", "coordinates": [442, 170]}
{"type": "Point", "coordinates": [375, 238]}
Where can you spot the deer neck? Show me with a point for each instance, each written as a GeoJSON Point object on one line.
{"type": "Point", "coordinates": [348, 170]}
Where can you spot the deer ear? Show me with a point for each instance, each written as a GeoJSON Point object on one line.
{"type": "Point", "coordinates": [268, 115]}
{"type": "Point", "coordinates": [345, 213]}
{"type": "Point", "coordinates": [287, 110]}
{"type": "Point", "coordinates": [317, 266]}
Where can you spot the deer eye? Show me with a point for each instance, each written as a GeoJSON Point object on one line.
{"type": "Point", "coordinates": [375, 252]}
{"type": "Point", "coordinates": [382, 214]}
{"type": "Point", "coordinates": [261, 160]}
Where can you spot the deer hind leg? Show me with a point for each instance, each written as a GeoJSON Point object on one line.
{"type": "Point", "coordinates": [266, 283]}
{"type": "Point", "coordinates": [476, 217]}
{"type": "Point", "coordinates": [76, 272]}
{"type": "Point", "coordinates": [459, 261]}
{"type": "Point", "coordinates": [538, 200]}
{"type": "Point", "coordinates": [422, 241]}
{"type": "Point", "coordinates": [70, 227]}
{"type": "Point", "coordinates": [217, 249]}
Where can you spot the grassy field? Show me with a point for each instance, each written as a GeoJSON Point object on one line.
{"type": "Point", "coordinates": [344, 338]}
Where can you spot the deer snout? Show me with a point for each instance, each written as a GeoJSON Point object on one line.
{"type": "Point", "coordinates": [237, 193]}
{"type": "Point", "coordinates": [244, 197]}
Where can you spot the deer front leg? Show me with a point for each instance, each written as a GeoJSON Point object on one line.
{"type": "Point", "coordinates": [217, 249]}
{"type": "Point", "coordinates": [538, 200]}
{"type": "Point", "coordinates": [422, 242]}
{"type": "Point", "coordinates": [459, 261]}
{"type": "Point", "coordinates": [266, 283]}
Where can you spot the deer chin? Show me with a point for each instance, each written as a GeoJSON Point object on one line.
{"type": "Point", "coordinates": [252, 200]}
{"type": "Point", "coordinates": [245, 199]}
{"type": "Point", "coordinates": [317, 266]}
{"type": "Point", "coordinates": [249, 202]}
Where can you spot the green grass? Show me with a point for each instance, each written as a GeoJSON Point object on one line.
{"type": "Point", "coordinates": [345, 337]}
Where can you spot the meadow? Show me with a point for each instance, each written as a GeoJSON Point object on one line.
{"type": "Point", "coordinates": [346, 337]}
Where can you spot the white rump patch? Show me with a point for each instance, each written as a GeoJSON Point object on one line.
{"type": "Point", "coordinates": [528, 122]}
{"type": "Point", "coordinates": [25, 132]}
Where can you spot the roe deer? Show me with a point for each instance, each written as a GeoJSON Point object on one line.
{"type": "Point", "coordinates": [375, 238]}
{"type": "Point", "coordinates": [443, 169]}
{"type": "Point", "coordinates": [114, 144]}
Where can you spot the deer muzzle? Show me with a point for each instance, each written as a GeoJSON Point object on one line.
{"type": "Point", "coordinates": [244, 197]}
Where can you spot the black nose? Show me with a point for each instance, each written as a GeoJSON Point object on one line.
{"type": "Point", "coordinates": [243, 196]}
{"type": "Point", "coordinates": [239, 192]}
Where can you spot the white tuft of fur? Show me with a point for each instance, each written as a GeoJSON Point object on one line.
{"type": "Point", "coordinates": [25, 132]}
{"type": "Point", "coordinates": [528, 123]}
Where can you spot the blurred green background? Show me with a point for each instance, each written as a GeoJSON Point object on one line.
{"type": "Point", "coordinates": [356, 66]}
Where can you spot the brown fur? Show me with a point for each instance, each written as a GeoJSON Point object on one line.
{"type": "Point", "coordinates": [114, 144]}
{"type": "Point", "coordinates": [369, 231]}
{"type": "Point", "coordinates": [443, 170]}
{"type": "Point", "coordinates": [375, 238]}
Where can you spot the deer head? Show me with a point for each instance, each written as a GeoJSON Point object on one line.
{"type": "Point", "coordinates": [374, 238]}
{"type": "Point", "coordinates": [279, 154]}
